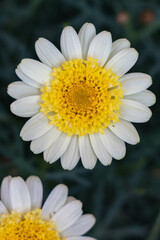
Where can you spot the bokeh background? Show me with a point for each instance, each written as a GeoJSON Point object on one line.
{"type": "Point", "coordinates": [124, 197]}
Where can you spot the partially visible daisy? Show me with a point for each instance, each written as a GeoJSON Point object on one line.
{"type": "Point", "coordinates": [81, 101]}
{"type": "Point", "coordinates": [22, 218]}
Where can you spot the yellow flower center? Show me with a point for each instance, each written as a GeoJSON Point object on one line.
{"type": "Point", "coordinates": [30, 226]}
{"type": "Point", "coordinates": [82, 97]}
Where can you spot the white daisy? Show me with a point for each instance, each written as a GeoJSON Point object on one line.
{"type": "Point", "coordinates": [81, 101]}
{"type": "Point", "coordinates": [22, 218]}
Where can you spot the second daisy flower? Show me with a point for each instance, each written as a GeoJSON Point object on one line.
{"type": "Point", "coordinates": [22, 216]}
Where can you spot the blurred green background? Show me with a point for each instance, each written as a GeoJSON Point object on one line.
{"type": "Point", "coordinates": [124, 197]}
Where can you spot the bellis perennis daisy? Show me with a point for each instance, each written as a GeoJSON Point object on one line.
{"type": "Point", "coordinates": [81, 101]}
{"type": "Point", "coordinates": [22, 218]}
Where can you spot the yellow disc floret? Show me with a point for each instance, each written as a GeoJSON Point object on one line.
{"type": "Point", "coordinates": [16, 226]}
{"type": "Point", "coordinates": [82, 97]}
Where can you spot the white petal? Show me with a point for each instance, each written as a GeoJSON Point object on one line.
{"type": "Point", "coordinates": [57, 149]}
{"type": "Point", "coordinates": [35, 127]}
{"type": "Point", "coordinates": [3, 209]}
{"type": "Point", "coordinates": [55, 200]}
{"type": "Point", "coordinates": [135, 82]}
{"type": "Point", "coordinates": [45, 141]}
{"type": "Point", "coordinates": [146, 97]}
{"type": "Point", "coordinates": [20, 89]}
{"type": "Point", "coordinates": [123, 61]}
{"type": "Point", "coordinates": [114, 145]}
{"type": "Point", "coordinates": [71, 156]}
{"type": "Point", "coordinates": [87, 154]}
{"type": "Point", "coordinates": [100, 150]}
{"type": "Point", "coordinates": [48, 53]}
{"type": "Point", "coordinates": [20, 198]}
{"type": "Point", "coordinates": [118, 45]}
{"type": "Point", "coordinates": [81, 226]}
{"type": "Point", "coordinates": [68, 215]}
{"type": "Point", "coordinates": [125, 131]}
{"type": "Point", "coordinates": [100, 47]}
{"type": "Point", "coordinates": [70, 44]}
{"type": "Point", "coordinates": [70, 199]}
{"type": "Point", "coordinates": [26, 107]}
{"type": "Point", "coordinates": [5, 192]}
{"type": "Point", "coordinates": [86, 34]}
{"type": "Point", "coordinates": [26, 79]}
{"type": "Point", "coordinates": [35, 188]}
{"type": "Point", "coordinates": [35, 70]}
{"type": "Point", "coordinates": [80, 238]}
{"type": "Point", "coordinates": [134, 111]}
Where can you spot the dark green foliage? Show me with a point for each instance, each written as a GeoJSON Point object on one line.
{"type": "Point", "coordinates": [125, 197]}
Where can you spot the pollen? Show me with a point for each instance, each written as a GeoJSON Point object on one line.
{"type": "Point", "coordinates": [81, 97]}
{"type": "Point", "coordinates": [25, 227]}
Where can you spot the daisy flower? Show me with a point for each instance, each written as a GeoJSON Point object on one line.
{"type": "Point", "coordinates": [80, 100]}
{"type": "Point", "coordinates": [22, 218]}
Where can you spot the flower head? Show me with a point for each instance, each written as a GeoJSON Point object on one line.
{"type": "Point", "coordinates": [81, 101]}
{"type": "Point", "coordinates": [22, 218]}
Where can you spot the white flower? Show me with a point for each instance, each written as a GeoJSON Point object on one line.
{"type": "Point", "coordinates": [81, 101]}
{"type": "Point", "coordinates": [22, 218]}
